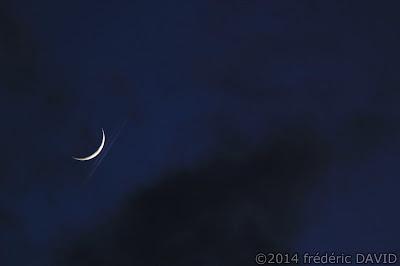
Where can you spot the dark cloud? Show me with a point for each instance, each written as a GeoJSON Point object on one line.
{"type": "Point", "coordinates": [364, 132]}
{"type": "Point", "coordinates": [220, 213]}
{"type": "Point", "coordinates": [12, 239]}
{"type": "Point", "coordinates": [18, 54]}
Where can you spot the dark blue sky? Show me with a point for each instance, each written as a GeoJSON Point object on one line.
{"type": "Point", "coordinates": [310, 88]}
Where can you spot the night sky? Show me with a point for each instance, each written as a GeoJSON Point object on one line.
{"type": "Point", "coordinates": [244, 127]}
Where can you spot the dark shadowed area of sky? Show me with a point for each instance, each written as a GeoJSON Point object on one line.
{"type": "Point", "coordinates": [251, 126]}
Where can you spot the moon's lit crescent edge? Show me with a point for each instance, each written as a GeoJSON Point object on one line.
{"type": "Point", "coordinates": [96, 152]}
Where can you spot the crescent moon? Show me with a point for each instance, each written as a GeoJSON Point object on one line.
{"type": "Point", "coordinates": [96, 152]}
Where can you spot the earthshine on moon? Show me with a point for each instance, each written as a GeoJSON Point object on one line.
{"type": "Point", "coordinates": [96, 152]}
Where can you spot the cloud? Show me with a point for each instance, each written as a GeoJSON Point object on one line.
{"type": "Point", "coordinates": [220, 213]}
{"type": "Point", "coordinates": [18, 54]}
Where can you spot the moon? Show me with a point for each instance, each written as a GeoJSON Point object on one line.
{"type": "Point", "coordinates": [96, 152]}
